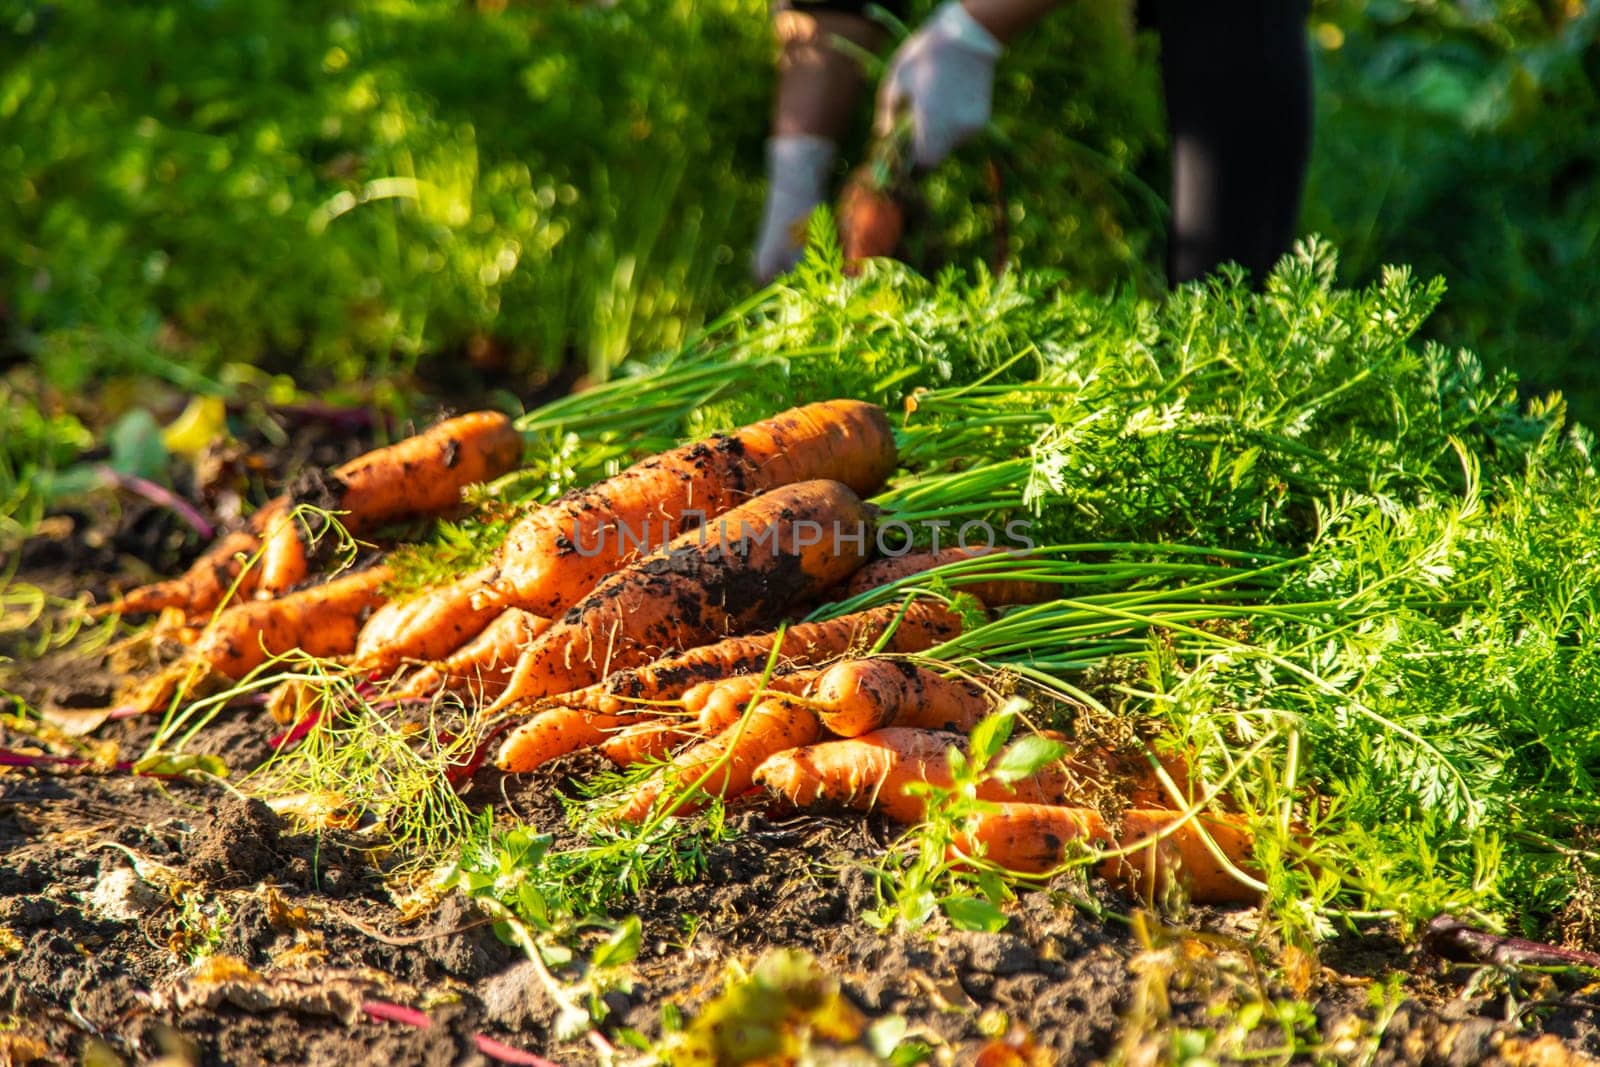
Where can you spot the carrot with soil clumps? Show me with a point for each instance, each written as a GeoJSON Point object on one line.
{"type": "Point", "coordinates": [714, 706]}
{"type": "Point", "coordinates": [484, 663]}
{"type": "Point", "coordinates": [757, 562]}
{"type": "Point", "coordinates": [994, 592]}
{"type": "Point", "coordinates": [728, 761]}
{"type": "Point", "coordinates": [203, 586]}
{"type": "Point", "coordinates": [649, 740]}
{"type": "Point", "coordinates": [421, 475]}
{"type": "Point", "coordinates": [856, 697]}
{"type": "Point", "coordinates": [428, 626]}
{"type": "Point", "coordinates": [320, 621]}
{"type": "Point", "coordinates": [873, 772]}
{"type": "Point", "coordinates": [1035, 838]}
{"type": "Point", "coordinates": [553, 733]}
{"type": "Point", "coordinates": [555, 556]}
{"type": "Point", "coordinates": [922, 625]}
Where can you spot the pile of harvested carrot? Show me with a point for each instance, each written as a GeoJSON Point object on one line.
{"type": "Point", "coordinates": [653, 616]}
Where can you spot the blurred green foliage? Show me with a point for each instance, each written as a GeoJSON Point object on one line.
{"type": "Point", "coordinates": [345, 187]}
{"type": "Point", "coordinates": [1463, 138]}
{"type": "Point", "coordinates": [341, 189]}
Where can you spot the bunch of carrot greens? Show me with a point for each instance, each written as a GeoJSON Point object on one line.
{"type": "Point", "coordinates": [1341, 581]}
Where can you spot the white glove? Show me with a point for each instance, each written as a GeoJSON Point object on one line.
{"type": "Point", "coordinates": [945, 73]}
{"type": "Point", "coordinates": [798, 166]}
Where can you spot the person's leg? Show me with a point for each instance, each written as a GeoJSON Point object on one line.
{"type": "Point", "coordinates": [1237, 80]}
{"type": "Point", "coordinates": [819, 86]}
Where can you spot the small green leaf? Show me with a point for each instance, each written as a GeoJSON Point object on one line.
{"type": "Point", "coordinates": [990, 735]}
{"type": "Point", "coordinates": [181, 763]}
{"type": "Point", "coordinates": [1027, 756]}
{"type": "Point", "coordinates": [916, 908]}
{"type": "Point", "coordinates": [621, 947]}
{"type": "Point", "coordinates": [912, 1052]}
{"type": "Point", "coordinates": [136, 446]}
{"type": "Point", "coordinates": [885, 1034]}
{"type": "Point", "coordinates": [974, 913]}
{"type": "Point", "coordinates": [531, 905]}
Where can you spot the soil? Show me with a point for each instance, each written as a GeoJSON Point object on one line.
{"type": "Point", "coordinates": [145, 917]}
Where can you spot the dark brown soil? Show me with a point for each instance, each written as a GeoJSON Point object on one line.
{"type": "Point", "coordinates": [111, 885]}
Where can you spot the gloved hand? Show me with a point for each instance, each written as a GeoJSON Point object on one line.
{"type": "Point", "coordinates": [798, 166]}
{"type": "Point", "coordinates": [944, 73]}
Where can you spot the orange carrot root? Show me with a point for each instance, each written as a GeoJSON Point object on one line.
{"type": "Point", "coordinates": [428, 626]}
{"type": "Point", "coordinates": [320, 621]}
{"type": "Point", "coordinates": [554, 733]}
{"type": "Point", "coordinates": [204, 585]}
{"type": "Point", "coordinates": [873, 772]}
{"type": "Point", "coordinates": [727, 761]}
{"type": "Point", "coordinates": [483, 664]}
{"type": "Point", "coordinates": [855, 697]}
{"type": "Point", "coordinates": [1036, 838]}
{"type": "Point", "coordinates": [744, 572]}
{"type": "Point", "coordinates": [648, 741]}
{"type": "Point", "coordinates": [559, 553]}
{"type": "Point", "coordinates": [924, 625]}
{"type": "Point", "coordinates": [994, 592]}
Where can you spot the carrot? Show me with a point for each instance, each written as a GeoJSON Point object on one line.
{"type": "Point", "coordinates": [1036, 838]}
{"type": "Point", "coordinates": [719, 704]}
{"type": "Point", "coordinates": [555, 732]}
{"type": "Point", "coordinates": [425, 474]}
{"type": "Point", "coordinates": [559, 553]}
{"type": "Point", "coordinates": [993, 592]}
{"type": "Point", "coordinates": [714, 707]}
{"type": "Point", "coordinates": [421, 475]}
{"type": "Point", "coordinates": [730, 758]}
{"type": "Point", "coordinates": [428, 626]}
{"type": "Point", "coordinates": [321, 621]}
{"type": "Point", "coordinates": [484, 663]}
{"type": "Point", "coordinates": [855, 697]}
{"type": "Point", "coordinates": [648, 740]}
{"type": "Point", "coordinates": [284, 563]}
{"type": "Point", "coordinates": [706, 583]}
{"type": "Point", "coordinates": [924, 624]}
{"type": "Point", "coordinates": [203, 586]}
{"type": "Point", "coordinates": [872, 773]}
{"type": "Point", "coordinates": [871, 219]}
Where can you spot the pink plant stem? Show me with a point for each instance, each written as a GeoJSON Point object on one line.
{"type": "Point", "coordinates": [508, 1054]}
{"type": "Point", "coordinates": [159, 496]}
{"type": "Point", "coordinates": [396, 1013]}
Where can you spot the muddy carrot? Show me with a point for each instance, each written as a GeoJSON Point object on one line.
{"type": "Point", "coordinates": [991, 591]}
{"type": "Point", "coordinates": [482, 664]}
{"type": "Point", "coordinates": [202, 587]}
{"type": "Point", "coordinates": [710, 706]}
{"type": "Point", "coordinates": [728, 761]}
{"type": "Point", "coordinates": [558, 554]}
{"type": "Point", "coordinates": [719, 704]}
{"type": "Point", "coordinates": [553, 733]}
{"type": "Point", "coordinates": [427, 626]}
{"type": "Point", "coordinates": [855, 697]}
{"type": "Point", "coordinates": [425, 473]}
{"type": "Point", "coordinates": [746, 572]}
{"type": "Point", "coordinates": [649, 740]}
{"type": "Point", "coordinates": [320, 621]}
{"type": "Point", "coordinates": [923, 625]}
{"type": "Point", "coordinates": [873, 773]}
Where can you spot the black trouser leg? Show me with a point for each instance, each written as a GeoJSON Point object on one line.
{"type": "Point", "coordinates": [1237, 80]}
